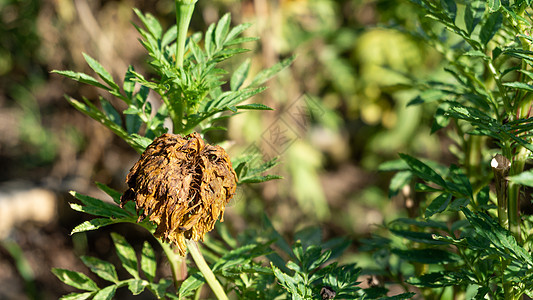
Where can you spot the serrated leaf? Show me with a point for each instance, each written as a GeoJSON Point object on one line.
{"type": "Point", "coordinates": [81, 77]}
{"type": "Point", "coordinates": [239, 76]}
{"type": "Point", "coordinates": [148, 262]}
{"type": "Point", "coordinates": [473, 14]}
{"type": "Point", "coordinates": [427, 256]}
{"type": "Point", "coordinates": [191, 284]}
{"type": "Point", "coordinates": [129, 83]}
{"type": "Point", "coordinates": [438, 205]}
{"type": "Point", "coordinates": [491, 26]}
{"type": "Point", "coordinates": [101, 71]}
{"type": "Point", "coordinates": [114, 194]}
{"type": "Point", "coordinates": [101, 268]}
{"type": "Point", "coordinates": [77, 296]}
{"type": "Point", "coordinates": [137, 286]}
{"type": "Point", "coordinates": [160, 287]}
{"type": "Point", "coordinates": [520, 85]}
{"type": "Point", "coordinates": [106, 293]}
{"type": "Point", "coordinates": [126, 254]}
{"type": "Point", "coordinates": [450, 8]}
{"type": "Point", "coordinates": [398, 181]}
{"type": "Point", "coordinates": [494, 5]}
{"type": "Point", "coordinates": [254, 106]}
{"type": "Point", "coordinates": [75, 279]}
{"type": "Point", "coordinates": [110, 112]}
{"type": "Point", "coordinates": [524, 178]}
{"type": "Point", "coordinates": [98, 207]}
{"type": "Point", "coordinates": [259, 179]}
{"type": "Point", "coordinates": [422, 170]}
{"type": "Point", "coordinates": [420, 237]}
{"type": "Point", "coordinates": [266, 74]}
{"type": "Point", "coordinates": [93, 225]}
{"type": "Point", "coordinates": [234, 32]}
{"type": "Point", "coordinates": [222, 30]}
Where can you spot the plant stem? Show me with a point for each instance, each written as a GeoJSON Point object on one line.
{"type": "Point", "coordinates": [175, 262]}
{"type": "Point", "coordinates": [206, 271]}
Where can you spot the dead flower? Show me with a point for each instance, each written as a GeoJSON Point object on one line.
{"type": "Point", "coordinates": [183, 184]}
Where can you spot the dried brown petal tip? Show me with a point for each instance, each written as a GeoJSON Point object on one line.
{"type": "Point", "coordinates": [183, 185]}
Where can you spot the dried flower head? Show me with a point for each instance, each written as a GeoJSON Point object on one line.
{"type": "Point", "coordinates": [183, 184]}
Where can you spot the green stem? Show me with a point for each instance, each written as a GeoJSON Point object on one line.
{"type": "Point", "coordinates": [206, 271]}
{"type": "Point", "coordinates": [175, 262]}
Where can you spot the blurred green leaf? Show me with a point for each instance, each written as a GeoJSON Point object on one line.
{"type": "Point", "coordinates": [137, 286]}
{"type": "Point", "coordinates": [98, 207]}
{"type": "Point", "coordinates": [126, 254]}
{"type": "Point", "coordinates": [97, 67]}
{"type": "Point", "coordinates": [77, 296]}
{"type": "Point", "coordinates": [94, 224]}
{"type": "Point", "coordinates": [148, 262]}
{"type": "Point", "coordinates": [524, 178]}
{"type": "Point", "coordinates": [106, 293]}
{"type": "Point", "coordinates": [239, 76]}
{"type": "Point", "coordinates": [427, 256]}
{"type": "Point", "coordinates": [75, 279]}
{"type": "Point", "coordinates": [492, 24]}
{"type": "Point", "coordinates": [438, 205]}
{"type": "Point", "coordinates": [423, 171]}
{"type": "Point", "coordinates": [101, 268]}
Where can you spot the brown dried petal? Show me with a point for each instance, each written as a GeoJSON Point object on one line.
{"type": "Point", "coordinates": [183, 185]}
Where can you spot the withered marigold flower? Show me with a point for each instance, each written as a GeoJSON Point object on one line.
{"type": "Point", "coordinates": [183, 184]}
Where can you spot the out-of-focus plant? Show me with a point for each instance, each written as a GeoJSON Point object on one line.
{"type": "Point", "coordinates": [181, 184]}
{"type": "Point", "coordinates": [464, 236]}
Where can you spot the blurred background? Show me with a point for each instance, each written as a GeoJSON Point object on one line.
{"type": "Point", "coordinates": [341, 111]}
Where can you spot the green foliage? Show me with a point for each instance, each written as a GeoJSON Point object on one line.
{"type": "Point", "coordinates": [465, 236]}
{"type": "Point", "coordinates": [107, 272]}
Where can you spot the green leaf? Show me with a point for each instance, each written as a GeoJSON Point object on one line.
{"type": "Point", "coordinates": [473, 14]}
{"type": "Point", "coordinates": [81, 77]}
{"type": "Point", "coordinates": [259, 179]}
{"type": "Point", "coordinates": [438, 205]}
{"type": "Point", "coordinates": [450, 8]}
{"type": "Point", "coordinates": [266, 74]}
{"type": "Point", "coordinates": [419, 237]}
{"type": "Point", "coordinates": [75, 279]}
{"type": "Point", "coordinates": [160, 287]}
{"type": "Point", "coordinates": [423, 171]}
{"type": "Point", "coordinates": [77, 296]}
{"type": "Point", "coordinates": [427, 256]}
{"type": "Point", "coordinates": [234, 32]}
{"type": "Point", "coordinates": [491, 26]}
{"type": "Point", "coordinates": [398, 181]}
{"type": "Point", "coordinates": [126, 254]}
{"type": "Point", "coordinates": [222, 30]}
{"type": "Point", "coordinates": [115, 195]}
{"type": "Point", "coordinates": [98, 207]}
{"type": "Point", "coordinates": [494, 5]}
{"type": "Point", "coordinates": [191, 284]}
{"type": "Point", "coordinates": [150, 23]}
{"type": "Point", "coordinates": [101, 268]}
{"type": "Point", "coordinates": [106, 293]}
{"type": "Point", "coordinates": [97, 67]}
{"type": "Point", "coordinates": [520, 85]}
{"type": "Point", "coordinates": [148, 262]}
{"type": "Point", "coordinates": [129, 83]}
{"type": "Point", "coordinates": [239, 76]}
{"type": "Point", "coordinates": [93, 224]}
{"type": "Point", "coordinates": [524, 178]}
{"type": "Point", "coordinates": [137, 286]}
{"type": "Point", "coordinates": [254, 106]}
{"type": "Point", "coordinates": [110, 112]}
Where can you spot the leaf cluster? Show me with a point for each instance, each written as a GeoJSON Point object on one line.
{"type": "Point", "coordinates": [107, 272]}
